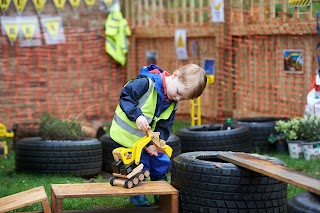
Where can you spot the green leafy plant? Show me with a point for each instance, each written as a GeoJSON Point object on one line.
{"type": "Point", "coordinates": [300, 128]}
{"type": "Point", "coordinates": [52, 128]}
{"type": "Point", "coordinates": [277, 137]}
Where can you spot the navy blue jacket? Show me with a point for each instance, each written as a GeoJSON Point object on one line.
{"type": "Point", "coordinates": [135, 89]}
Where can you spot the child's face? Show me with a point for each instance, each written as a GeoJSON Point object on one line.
{"type": "Point", "coordinates": [176, 91]}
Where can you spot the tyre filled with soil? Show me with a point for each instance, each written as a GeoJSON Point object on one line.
{"type": "Point", "coordinates": [80, 158]}
{"type": "Point", "coordinates": [260, 129]}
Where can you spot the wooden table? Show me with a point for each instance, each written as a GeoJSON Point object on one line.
{"type": "Point", "coordinates": [168, 194]}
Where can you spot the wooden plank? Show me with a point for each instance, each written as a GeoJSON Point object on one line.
{"type": "Point", "coordinates": [133, 15]}
{"type": "Point", "coordinates": [276, 28]}
{"type": "Point", "coordinates": [176, 14]}
{"type": "Point", "coordinates": [168, 32]}
{"type": "Point", "coordinates": [139, 13]}
{"type": "Point", "coordinates": [240, 10]}
{"type": "Point", "coordinates": [145, 13]}
{"type": "Point", "coordinates": [105, 189]}
{"type": "Point", "coordinates": [127, 7]}
{"type": "Point", "coordinates": [192, 12]}
{"type": "Point", "coordinates": [168, 194]}
{"type": "Point", "coordinates": [272, 9]}
{"type": "Point", "coordinates": [251, 7]}
{"type": "Point", "coordinates": [22, 199]}
{"type": "Point", "coordinates": [261, 10]}
{"type": "Point", "coordinates": [184, 13]}
{"type": "Point", "coordinates": [270, 169]}
{"type": "Point", "coordinates": [284, 10]}
{"type": "Point", "coordinates": [200, 13]}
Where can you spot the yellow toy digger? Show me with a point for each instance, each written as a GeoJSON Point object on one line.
{"type": "Point", "coordinates": [127, 169]}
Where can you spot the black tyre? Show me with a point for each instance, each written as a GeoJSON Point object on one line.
{"type": "Point", "coordinates": [208, 184]}
{"type": "Point", "coordinates": [80, 158]}
{"type": "Point", "coordinates": [260, 129]}
{"type": "Point", "coordinates": [108, 145]}
{"type": "Point", "coordinates": [212, 138]}
{"type": "Point", "coordinates": [304, 203]}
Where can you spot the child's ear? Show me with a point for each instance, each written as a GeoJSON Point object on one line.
{"type": "Point", "coordinates": [175, 73]}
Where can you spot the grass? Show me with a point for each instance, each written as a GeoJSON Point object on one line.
{"type": "Point", "coordinates": [14, 182]}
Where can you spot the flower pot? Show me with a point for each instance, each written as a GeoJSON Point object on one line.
{"type": "Point", "coordinates": [311, 150]}
{"type": "Point", "coordinates": [295, 149]}
{"type": "Point", "coordinates": [282, 147]}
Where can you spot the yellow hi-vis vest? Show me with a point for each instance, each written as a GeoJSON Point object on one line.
{"type": "Point", "coordinates": [116, 32]}
{"type": "Point", "coordinates": [126, 132]}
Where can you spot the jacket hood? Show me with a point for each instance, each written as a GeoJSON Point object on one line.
{"type": "Point", "coordinates": [153, 72]}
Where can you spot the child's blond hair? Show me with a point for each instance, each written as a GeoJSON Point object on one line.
{"type": "Point", "coordinates": [194, 78]}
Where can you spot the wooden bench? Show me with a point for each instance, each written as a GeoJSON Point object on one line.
{"type": "Point", "coordinates": [25, 198]}
{"type": "Point", "coordinates": [168, 194]}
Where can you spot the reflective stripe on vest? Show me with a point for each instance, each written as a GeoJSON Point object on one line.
{"type": "Point", "coordinates": [126, 132]}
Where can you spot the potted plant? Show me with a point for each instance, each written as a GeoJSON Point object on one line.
{"type": "Point", "coordinates": [279, 141]}
{"type": "Point", "coordinates": [301, 134]}
{"type": "Point", "coordinates": [61, 148]}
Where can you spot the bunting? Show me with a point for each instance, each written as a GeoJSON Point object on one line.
{"type": "Point", "coordinates": [53, 30]}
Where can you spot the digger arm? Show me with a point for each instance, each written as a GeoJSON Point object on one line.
{"type": "Point", "coordinates": [128, 155]}
{"type": "Point", "coordinates": [154, 137]}
{"type": "Point", "coordinates": [160, 144]}
{"type": "Point", "coordinates": [138, 146]}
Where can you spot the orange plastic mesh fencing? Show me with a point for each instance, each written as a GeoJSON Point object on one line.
{"type": "Point", "coordinates": [68, 80]}
{"type": "Point", "coordinates": [252, 74]}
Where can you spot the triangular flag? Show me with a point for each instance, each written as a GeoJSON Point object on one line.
{"type": "Point", "coordinates": [20, 5]}
{"type": "Point", "coordinates": [12, 30]}
{"type": "Point", "coordinates": [39, 4]}
{"type": "Point", "coordinates": [52, 27]}
{"type": "Point", "coordinates": [28, 29]}
{"type": "Point", "coordinates": [4, 4]}
{"type": "Point", "coordinates": [89, 4]}
{"type": "Point", "coordinates": [74, 4]}
{"type": "Point", "coordinates": [108, 3]}
{"type": "Point", "coordinates": [59, 4]}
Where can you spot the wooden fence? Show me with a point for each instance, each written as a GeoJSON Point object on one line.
{"type": "Point", "coordinates": [247, 48]}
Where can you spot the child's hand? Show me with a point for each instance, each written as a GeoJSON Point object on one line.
{"type": "Point", "coordinates": [142, 123]}
{"type": "Point", "coordinates": [153, 150]}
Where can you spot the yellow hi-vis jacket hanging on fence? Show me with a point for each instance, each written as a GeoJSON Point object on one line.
{"type": "Point", "coordinates": [116, 31]}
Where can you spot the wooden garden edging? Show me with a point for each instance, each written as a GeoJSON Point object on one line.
{"type": "Point", "coordinates": [270, 169]}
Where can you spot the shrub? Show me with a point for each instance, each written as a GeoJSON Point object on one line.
{"type": "Point", "coordinates": [52, 128]}
{"type": "Point", "coordinates": [306, 128]}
